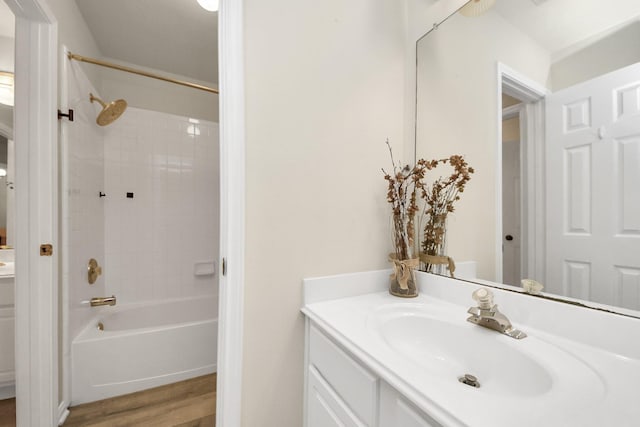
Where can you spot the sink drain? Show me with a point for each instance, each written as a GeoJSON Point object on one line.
{"type": "Point", "coordinates": [469, 380]}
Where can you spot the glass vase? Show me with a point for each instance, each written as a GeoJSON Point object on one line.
{"type": "Point", "coordinates": [403, 278]}
{"type": "Point", "coordinates": [434, 245]}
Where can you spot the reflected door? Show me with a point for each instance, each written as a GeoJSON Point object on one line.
{"type": "Point", "coordinates": [593, 189]}
{"type": "Point", "coordinates": [511, 213]}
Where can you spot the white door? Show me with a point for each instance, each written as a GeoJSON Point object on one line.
{"type": "Point", "coordinates": [511, 234]}
{"type": "Point", "coordinates": [593, 189]}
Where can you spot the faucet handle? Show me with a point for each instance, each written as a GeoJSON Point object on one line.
{"type": "Point", "coordinates": [484, 297]}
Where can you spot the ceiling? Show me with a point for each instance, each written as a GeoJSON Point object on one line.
{"type": "Point", "coordinates": [175, 36]}
{"type": "Point", "coordinates": [7, 21]}
{"type": "Point", "coordinates": [557, 25]}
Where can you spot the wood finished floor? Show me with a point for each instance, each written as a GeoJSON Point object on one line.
{"type": "Point", "coordinates": [8, 413]}
{"type": "Point", "coordinates": [190, 403]}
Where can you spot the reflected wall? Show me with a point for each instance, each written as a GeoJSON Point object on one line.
{"type": "Point", "coordinates": [457, 107]}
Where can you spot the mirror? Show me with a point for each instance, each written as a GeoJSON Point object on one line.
{"type": "Point", "coordinates": [555, 195]}
{"type": "Point", "coordinates": [6, 130]}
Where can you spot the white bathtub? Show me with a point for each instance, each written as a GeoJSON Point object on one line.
{"type": "Point", "coordinates": [144, 346]}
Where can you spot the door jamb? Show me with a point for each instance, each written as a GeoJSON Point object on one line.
{"type": "Point", "coordinates": [37, 174]}
{"type": "Point", "coordinates": [36, 277]}
{"type": "Point", "coordinates": [532, 169]}
{"type": "Point", "coordinates": [232, 214]}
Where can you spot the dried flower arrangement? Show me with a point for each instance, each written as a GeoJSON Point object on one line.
{"type": "Point", "coordinates": [439, 199]}
{"type": "Point", "coordinates": [403, 186]}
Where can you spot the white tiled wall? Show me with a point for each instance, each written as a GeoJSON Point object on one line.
{"type": "Point", "coordinates": [153, 240]}
{"type": "Point", "coordinates": [148, 244]}
{"type": "Point", "coordinates": [82, 170]}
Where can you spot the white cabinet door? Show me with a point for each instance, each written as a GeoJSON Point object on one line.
{"type": "Point", "coordinates": [395, 411]}
{"type": "Point", "coordinates": [593, 189]}
{"type": "Point", "coordinates": [324, 407]}
{"type": "Point", "coordinates": [7, 348]}
{"type": "Point", "coordinates": [352, 383]}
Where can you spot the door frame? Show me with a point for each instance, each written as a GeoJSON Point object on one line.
{"type": "Point", "coordinates": [531, 115]}
{"type": "Point", "coordinates": [35, 129]}
{"type": "Point", "coordinates": [513, 111]}
{"type": "Point", "coordinates": [232, 213]}
{"type": "Point", "coordinates": [36, 282]}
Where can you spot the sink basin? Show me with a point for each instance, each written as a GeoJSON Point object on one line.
{"type": "Point", "coordinates": [449, 348]}
{"type": "Point", "coordinates": [7, 268]}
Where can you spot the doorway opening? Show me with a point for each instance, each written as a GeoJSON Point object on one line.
{"type": "Point", "coordinates": [511, 190]}
{"type": "Point", "coordinates": [521, 177]}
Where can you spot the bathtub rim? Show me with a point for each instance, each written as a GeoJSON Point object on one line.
{"type": "Point", "coordinates": [90, 331]}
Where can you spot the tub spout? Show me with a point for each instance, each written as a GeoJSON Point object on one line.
{"type": "Point", "coordinates": [95, 302]}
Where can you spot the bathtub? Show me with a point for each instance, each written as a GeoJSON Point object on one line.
{"type": "Point", "coordinates": [144, 346]}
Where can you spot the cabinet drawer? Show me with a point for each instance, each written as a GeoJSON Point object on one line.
{"type": "Point", "coordinates": [395, 411]}
{"type": "Point", "coordinates": [324, 407]}
{"type": "Point", "coordinates": [353, 384]}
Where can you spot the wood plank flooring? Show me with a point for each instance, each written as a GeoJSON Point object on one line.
{"type": "Point", "coordinates": [8, 413]}
{"type": "Point", "coordinates": [190, 403]}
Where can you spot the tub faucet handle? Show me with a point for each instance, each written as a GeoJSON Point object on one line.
{"type": "Point", "coordinates": [93, 271]}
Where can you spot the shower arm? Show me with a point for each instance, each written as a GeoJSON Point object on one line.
{"type": "Point", "coordinates": [139, 72]}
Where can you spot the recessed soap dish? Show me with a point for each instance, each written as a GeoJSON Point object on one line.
{"type": "Point", "coordinates": [207, 268]}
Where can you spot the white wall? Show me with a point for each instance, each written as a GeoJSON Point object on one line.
{"type": "Point", "coordinates": [153, 240]}
{"type": "Point", "coordinates": [74, 33]}
{"type": "Point", "coordinates": [325, 85]}
{"type": "Point", "coordinates": [511, 129]}
{"type": "Point", "coordinates": [147, 245]}
{"type": "Point", "coordinates": [420, 17]}
{"type": "Point", "coordinates": [611, 53]}
{"type": "Point", "coordinates": [7, 47]}
{"type": "Point", "coordinates": [457, 114]}
{"type": "Point", "coordinates": [157, 95]}
{"type": "Point", "coordinates": [141, 92]}
{"type": "Point", "coordinates": [82, 159]}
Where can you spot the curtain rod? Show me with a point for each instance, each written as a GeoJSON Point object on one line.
{"type": "Point", "coordinates": [139, 72]}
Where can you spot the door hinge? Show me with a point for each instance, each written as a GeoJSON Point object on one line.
{"type": "Point", "coordinates": [46, 249]}
{"type": "Point", "coordinates": [224, 266]}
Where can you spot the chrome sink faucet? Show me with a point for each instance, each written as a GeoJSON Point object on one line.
{"type": "Point", "coordinates": [486, 314]}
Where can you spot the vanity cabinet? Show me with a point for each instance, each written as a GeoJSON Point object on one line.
{"type": "Point", "coordinates": [342, 391]}
{"type": "Point", "coordinates": [397, 411]}
{"type": "Point", "coordinates": [7, 340]}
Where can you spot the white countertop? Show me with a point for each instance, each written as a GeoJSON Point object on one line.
{"type": "Point", "coordinates": [591, 382]}
{"type": "Point", "coordinates": [7, 269]}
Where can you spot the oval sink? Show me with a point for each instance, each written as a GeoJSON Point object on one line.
{"type": "Point", "coordinates": [7, 268]}
{"type": "Point", "coordinates": [450, 348]}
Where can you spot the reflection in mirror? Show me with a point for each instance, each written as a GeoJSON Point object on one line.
{"type": "Point", "coordinates": [544, 102]}
{"type": "Point", "coordinates": [7, 42]}
{"type": "Point", "coordinates": [7, 336]}
{"type": "Point", "coordinates": [4, 145]}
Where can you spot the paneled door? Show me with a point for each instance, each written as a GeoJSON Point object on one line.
{"type": "Point", "coordinates": [593, 189]}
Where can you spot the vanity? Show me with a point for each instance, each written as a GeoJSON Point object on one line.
{"type": "Point", "coordinates": [372, 359]}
